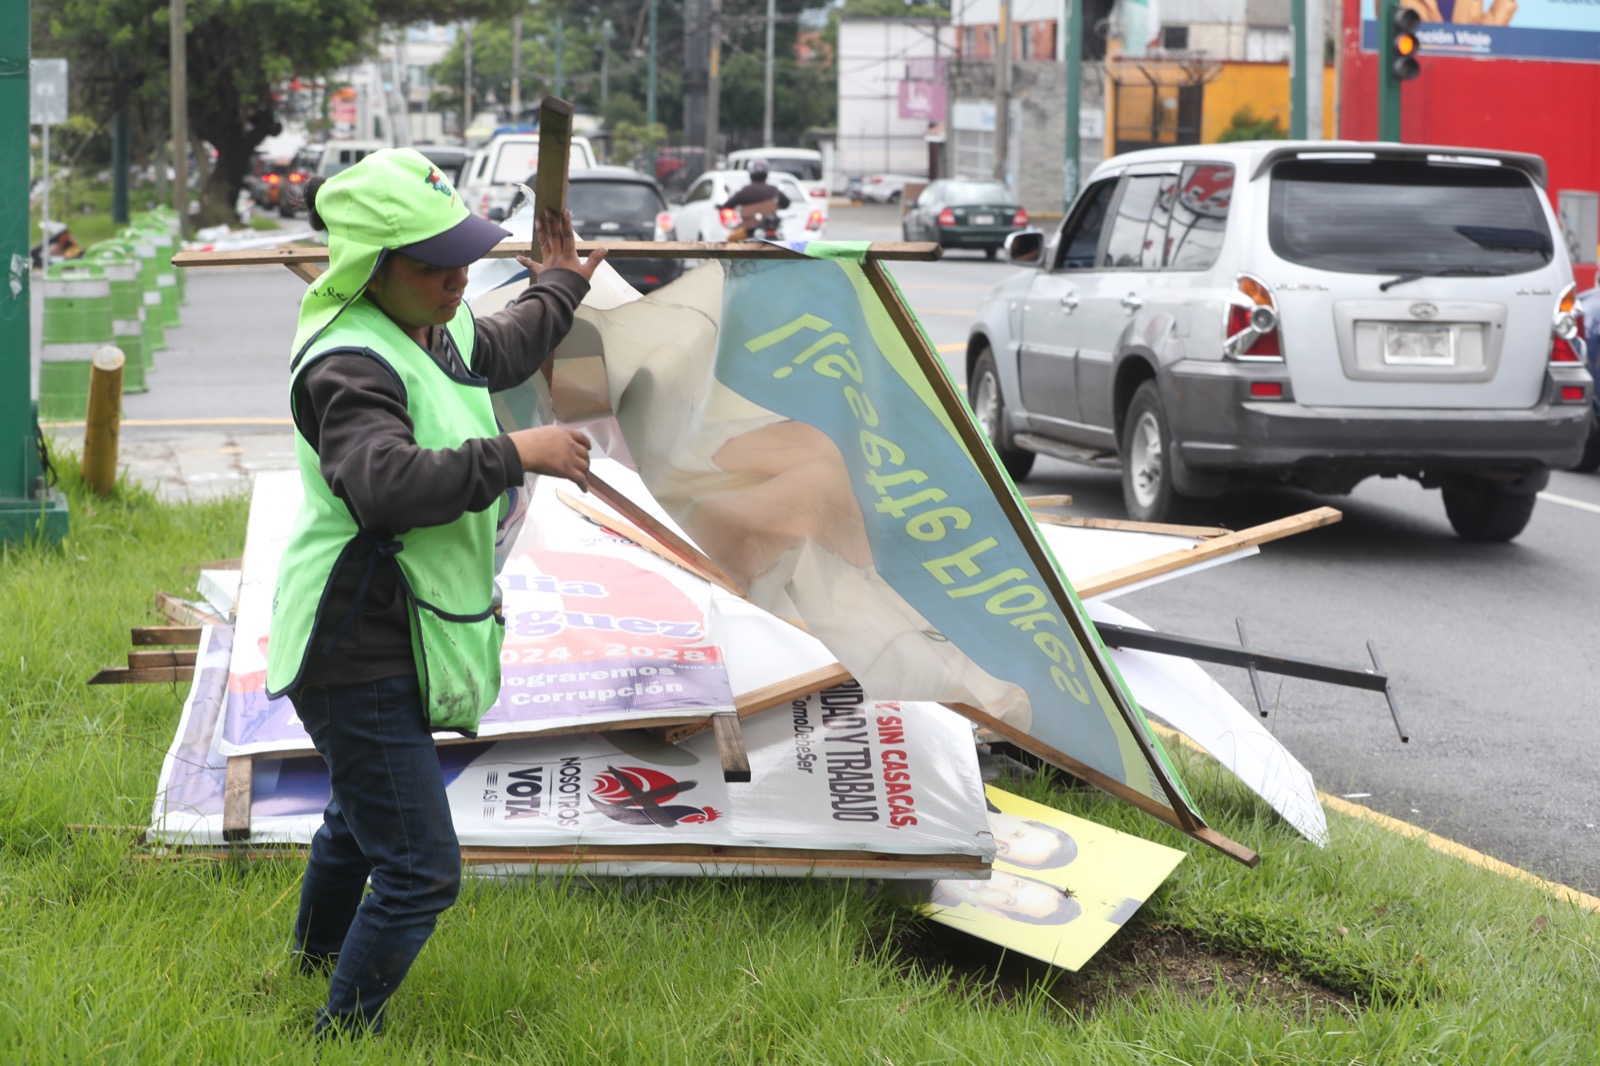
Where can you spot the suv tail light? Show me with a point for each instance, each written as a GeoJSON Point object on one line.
{"type": "Point", "coordinates": [815, 221]}
{"type": "Point", "coordinates": [483, 205]}
{"type": "Point", "coordinates": [296, 176]}
{"type": "Point", "coordinates": [947, 217]}
{"type": "Point", "coordinates": [728, 217]}
{"type": "Point", "coordinates": [273, 179]}
{"type": "Point", "coordinates": [1566, 332]}
{"type": "Point", "coordinates": [1252, 328]}
{"type": "Point", "coordinates": [664, 225]}
{"type": "Point", "coordinates": [1020, 219]}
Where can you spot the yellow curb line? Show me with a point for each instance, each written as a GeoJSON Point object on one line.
{"type": "Point", "coordinates": [1438, 843]}
{"type": "Point", "coordinates": [953, 346]}
{"type": "Point", "coordinates": [1461, 851]}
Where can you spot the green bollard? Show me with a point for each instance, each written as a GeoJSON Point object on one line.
{"type": "Point", "coordinates": [154, 330]}
{"type": "Point", "coordinates": [127, 309]}
{"type": "Point", "coordinates": [166, 273]}
{"type": "Point", "coordinates": [77, 321]}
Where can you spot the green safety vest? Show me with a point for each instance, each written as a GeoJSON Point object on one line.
{"type": "Point", "coordinates": [447, 572]}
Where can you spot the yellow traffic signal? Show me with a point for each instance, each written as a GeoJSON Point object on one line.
{"type": "Point", "coordinates": [1403, 44]}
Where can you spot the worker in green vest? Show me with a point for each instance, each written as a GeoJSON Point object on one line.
{"type": "Point", "coordinates": [385, 624]}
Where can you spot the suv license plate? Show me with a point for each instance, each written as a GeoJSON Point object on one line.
{"type": "Point", "coordinates": [1419, 345]}
{"type": "Point", "coordinates": [983, 220]}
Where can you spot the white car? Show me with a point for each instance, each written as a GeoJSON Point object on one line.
{"type": "Point", "coordinates": [886, 188]}
{"type": "Point", "coordinates": [486, 183]}
{"type": "Point", "coordinates": [701, 217]}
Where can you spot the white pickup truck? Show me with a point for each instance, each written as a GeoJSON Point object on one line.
{"type": "Point", "coordinates": [506, 158]}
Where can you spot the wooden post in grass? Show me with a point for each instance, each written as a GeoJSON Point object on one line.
{"type": "Point", "coordinates": [104, 423]}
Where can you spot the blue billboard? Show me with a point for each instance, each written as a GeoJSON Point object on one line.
{"type": "Point", "coordinates": [1499, 29]}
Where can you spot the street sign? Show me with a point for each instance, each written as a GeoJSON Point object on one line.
{"type": "Point", "coordinates": [48, 79]}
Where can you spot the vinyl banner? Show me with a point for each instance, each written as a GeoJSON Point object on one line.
{"type": "Point", "coordinates": [598, 631]}
{"type": "Point", "coordinates": [1504, 29]}
{"type": "Point", "coordinates": [1061, 886]}
{"type": "Point", "coordinates": [780, 418]}
{"type": "Point", "coordinates": [835, 772]}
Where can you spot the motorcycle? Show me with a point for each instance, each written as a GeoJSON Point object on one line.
{"type": "Point", "coordinates": [753, 222]}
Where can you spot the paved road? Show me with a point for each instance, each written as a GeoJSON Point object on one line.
{"type": "Point", "coordinates": [1490, 646]}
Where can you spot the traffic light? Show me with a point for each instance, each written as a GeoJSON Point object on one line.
{"type": "Point", "coordinates": [1403, 44]}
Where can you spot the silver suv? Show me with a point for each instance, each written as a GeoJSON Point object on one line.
{"type": "Point", "coordinates": [1308, 313]}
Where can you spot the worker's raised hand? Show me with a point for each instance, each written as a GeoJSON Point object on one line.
{"type": "Point", "coordinates": [559, 246]}
{"type": "Point", "coordinates": [558, 450]}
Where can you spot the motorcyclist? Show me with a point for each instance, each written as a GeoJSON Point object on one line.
{"type": "Point", "coordinates": [62, 246]}
{"type": "Point", "coordinates": [754, 200]}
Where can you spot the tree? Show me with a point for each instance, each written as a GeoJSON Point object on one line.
{"type": "Point", "coordinates": [238, 50]}
{"type": "Point", "coordinates": [1247, 127]}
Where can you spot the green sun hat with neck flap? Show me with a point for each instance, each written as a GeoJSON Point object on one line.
{"type": "Point", "coordinates": [392, 200]}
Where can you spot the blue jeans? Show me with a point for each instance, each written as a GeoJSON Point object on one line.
{"type": "Point", "coordinates": [388, 818]}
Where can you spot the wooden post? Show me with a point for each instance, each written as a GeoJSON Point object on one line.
{"type": "Point", "coordinates": [104, 424]}
{"type": "Point", "coordinates": [555, 151]}
{"type": "Point", "coordinates": [238, 791]}
{"type": "Point", "coordinates": [730, 748]}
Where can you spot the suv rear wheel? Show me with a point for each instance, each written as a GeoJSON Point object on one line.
{"type": "Point", "coordinates": [1147, 491]}
{"type": "Point", "coordinates": [1482, 509]}
{"type": "Point", "coordinates": [984, 394]}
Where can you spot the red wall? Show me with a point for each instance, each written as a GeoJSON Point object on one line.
{"type": "Point", "coordinates": [1549, 109]}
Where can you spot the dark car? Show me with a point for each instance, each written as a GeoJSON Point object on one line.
{"type": "Point", "coordinates": [619, 204]}
{"type": "Point", "coordinates": [957, 213]}
{"type": "Point", "coordinates": [265, 180]}
{"type": "Point", "coordinates": [1589, 319]}
{"type": "Point", "coordinates": [292, 190]}
{"type": "Point", "coordinates": [449, 158]}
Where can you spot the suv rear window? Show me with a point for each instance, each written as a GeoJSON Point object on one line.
{"type": "Point", "coordinates": [1404, 216]}
{"type": "Point", "coordinates": [613, 200]}
{"type": "Point", "coordinates": [804, 169]}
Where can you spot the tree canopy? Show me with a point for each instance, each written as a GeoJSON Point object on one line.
{"type": "Point", "coordinates": [238, 50]}
{"type": "Point", "coordinates": [241, 51]}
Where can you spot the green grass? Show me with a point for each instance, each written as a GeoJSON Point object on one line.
{"type": "Point", "coordinates": [83, 202]}
{"type": "Point", "coordinates": [1375, 951]}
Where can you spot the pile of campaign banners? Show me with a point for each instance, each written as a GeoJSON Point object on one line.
{"type": "Point", "coordinates": [841, 785]}
{"type": "Point", "coordinates": [599, 633]}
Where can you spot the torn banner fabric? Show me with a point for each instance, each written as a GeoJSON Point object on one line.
{"type": "Point", "coordinates": [784, 422]}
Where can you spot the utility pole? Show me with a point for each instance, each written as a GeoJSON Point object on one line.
{"type": "Point", "coordinates": [766, 114]}
{"type": "Point", "coordinates": [516, 68]}
{"type": "Point", "coordinates": [561, 50]}
{"type": "Point", "coordinates": [696, 54]}
{"type": "Point", "coordinates": [1316, 38]}
{"type": "Point", "coordinates": [1002, 92]}
{"type": "Point", "coordinates": [714, 86]}
{"type": "Point", "coordinates": [179, 37]}
{"type": "Point", "coordinates": [650, 71]}
{"type": "Point", "coordinates": [1074, 73]}
{"type": "Point", "coordinates": [466, 84]}
{"type": "Point", "coordinates": [119, 162]}
{"type": "Point", "coordinates": [650, 87]}
{"type": "Point", "coordinates": [1298, 63]}
{"type": "Point", "coordinates": [27, 507]}
{"type": "Point", "coordinates": [605, 62]}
